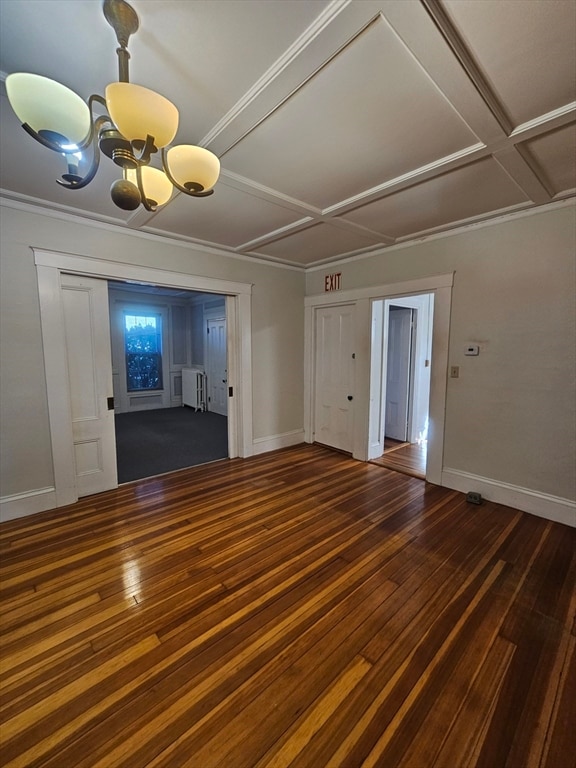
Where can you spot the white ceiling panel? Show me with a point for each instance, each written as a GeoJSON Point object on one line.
{"type": "Point", "coordinates": [67, 41]}
{"type": "Point", "coordinates": [216, 49]}
{"type": "Point", "coordinates": [555, 154]}
{"type": "Point", "coordinates": [525, 48]}
{"type": "Point", "coordinates": [462, 194]}
{"type": "Point", "coordinates": [352, 125]}
{"type": "Point", "coordinates": [342, 126]}
{"type": "Point", "coordinates": [229, 216]}
{"type": "Point", "coordinates": [319, 242]}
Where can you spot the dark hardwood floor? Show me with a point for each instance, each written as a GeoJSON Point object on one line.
{"type": "Point", "coordinates": [295, 609]}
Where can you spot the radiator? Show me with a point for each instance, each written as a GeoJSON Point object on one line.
{"type": "Point", "coordinates": [194, 388]}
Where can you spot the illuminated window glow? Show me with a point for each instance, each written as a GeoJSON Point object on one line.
{"type": "Point", "coordinates": [143, 349]}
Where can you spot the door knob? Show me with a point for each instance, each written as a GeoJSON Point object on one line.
{"type": "Point", "coordinates": [350, 397]}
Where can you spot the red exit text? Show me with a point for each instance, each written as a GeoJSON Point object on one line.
{"type": "Point", "coordinates": [333, 282]}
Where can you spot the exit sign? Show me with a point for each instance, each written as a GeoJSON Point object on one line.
{"type": "Point", "coordinates": [333, 282]}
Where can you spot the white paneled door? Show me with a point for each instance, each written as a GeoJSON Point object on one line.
{"type": "Point", "coordinates": [217, 368]}
{"type": "Point", "coordinates": [398, 372]}
{"type": "Point", "coordinates": [334, 377]}
{"type": "Point", "coordinates": [87, 329]}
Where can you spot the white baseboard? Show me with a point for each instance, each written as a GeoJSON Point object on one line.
{"type": "Point", "coordinates": [23, 504]}
{"type": "Point", "coordinates": [273, 443]}
{"type": "Point", "coordinates": [554, 508]}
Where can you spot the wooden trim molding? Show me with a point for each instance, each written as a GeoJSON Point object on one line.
{"type": "Point", "coordinates": [115, 270]}
{"type": "Point", "coordinates": [545, 505]}
{"type": "Point", "coordinates": [24, 504]}
{"type": "Point", "coordinates": [275, 442]}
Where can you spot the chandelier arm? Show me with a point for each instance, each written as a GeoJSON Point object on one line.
{"type": "Point", "coordinates": [42, 140]}
{"type": "Point", "coordinates": [179, 187]}
{"type": "Point", "coordinates": [85, 180]}
{"type": "Point", "coordinates": [54, 146]}
{"type": "Point", "coordinates": [145, 202]}
{"type": "Point", "coordinates": [148, 149]}
{"type": "Point", "coordinates": [96, 97]}
{"type": "Point", "coordinates": [96, 123]}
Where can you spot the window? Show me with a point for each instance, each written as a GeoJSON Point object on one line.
{"type": "Point", "coordinates": [143, 347]}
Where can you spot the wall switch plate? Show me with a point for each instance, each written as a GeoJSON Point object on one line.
{"type": "Point", "coordinates": [454, 371]}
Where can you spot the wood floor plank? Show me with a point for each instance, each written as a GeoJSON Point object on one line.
{"type": "Point", "coordinates": [297, 609]}
{"type": "Point", "coordinates": [305, 727]}
{"type": "Point", "coordinates": [559, 744]}
{"type": "Point", "coordinates": [475, 708]}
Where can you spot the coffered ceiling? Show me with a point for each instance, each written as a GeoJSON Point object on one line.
{"type": "Point", "coordinates": [343, 126]}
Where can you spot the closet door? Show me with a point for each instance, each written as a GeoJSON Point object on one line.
{"type": "Point", "coordinates": [217, 366]}
{"type": "Point", "coordinates": [334, 377]}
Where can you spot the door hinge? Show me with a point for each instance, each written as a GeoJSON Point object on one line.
{"type": "Point", "coordinates": [110, 401]}
{"type": "Point", "coordinates": [230, 391]}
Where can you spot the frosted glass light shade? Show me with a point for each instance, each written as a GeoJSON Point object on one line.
{"type": "Point", "coordinates": [157, 186]}
{"type": "Point", "coordinates": [49, 108]}
{"type": "Point", "coordinates": [188, 163]}
{"type": "Point", "coordinates": [138, 112]}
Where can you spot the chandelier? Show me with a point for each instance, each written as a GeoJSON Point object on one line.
{"type": "Point", "coordinates": [136, 124]}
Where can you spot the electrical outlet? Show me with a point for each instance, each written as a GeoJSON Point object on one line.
{"type": "Point", "coordinates": [454, 371]}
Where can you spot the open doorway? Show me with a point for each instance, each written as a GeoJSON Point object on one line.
{"type": "Point", "coordinates": [169, 359]}
{"type": "Point", "coordinates": [71, 404]}
{"type": "Point", "coordinates": [400, 382]}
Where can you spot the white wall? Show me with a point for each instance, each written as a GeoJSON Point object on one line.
{"type": "Point", "coordinates": [277, 328]}
{"type": "Point", "coordinates": [511, 414]}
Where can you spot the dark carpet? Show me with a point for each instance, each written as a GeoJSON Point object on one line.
{"type": "Point", "coordinates": [153, 442]}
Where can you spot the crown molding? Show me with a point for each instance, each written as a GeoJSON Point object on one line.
{"type": "Point", "coordinates": [9, 200]}
{"type": "Point", "coordinates": [458, 230]}
{"type": "Point", "coordinates": [17, 204]}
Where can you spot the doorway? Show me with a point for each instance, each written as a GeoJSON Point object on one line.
{"type": "Point", "coordinates": [401, 359]}
{"type": "Point", "coordinates": [159, 342]}
{"type": "Point", "coordinates": [51, 266]}
{"type": "Point", "coordinates": [368, 412]}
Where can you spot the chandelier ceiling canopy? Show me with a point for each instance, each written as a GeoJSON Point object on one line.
{"type": "Point", "coordinates": [129, 125]}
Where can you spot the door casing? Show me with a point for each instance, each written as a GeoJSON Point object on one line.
{"type": "Point", "coordinates": [441, 287]}
{"type": "Point", "coordinates": [238, 312]}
